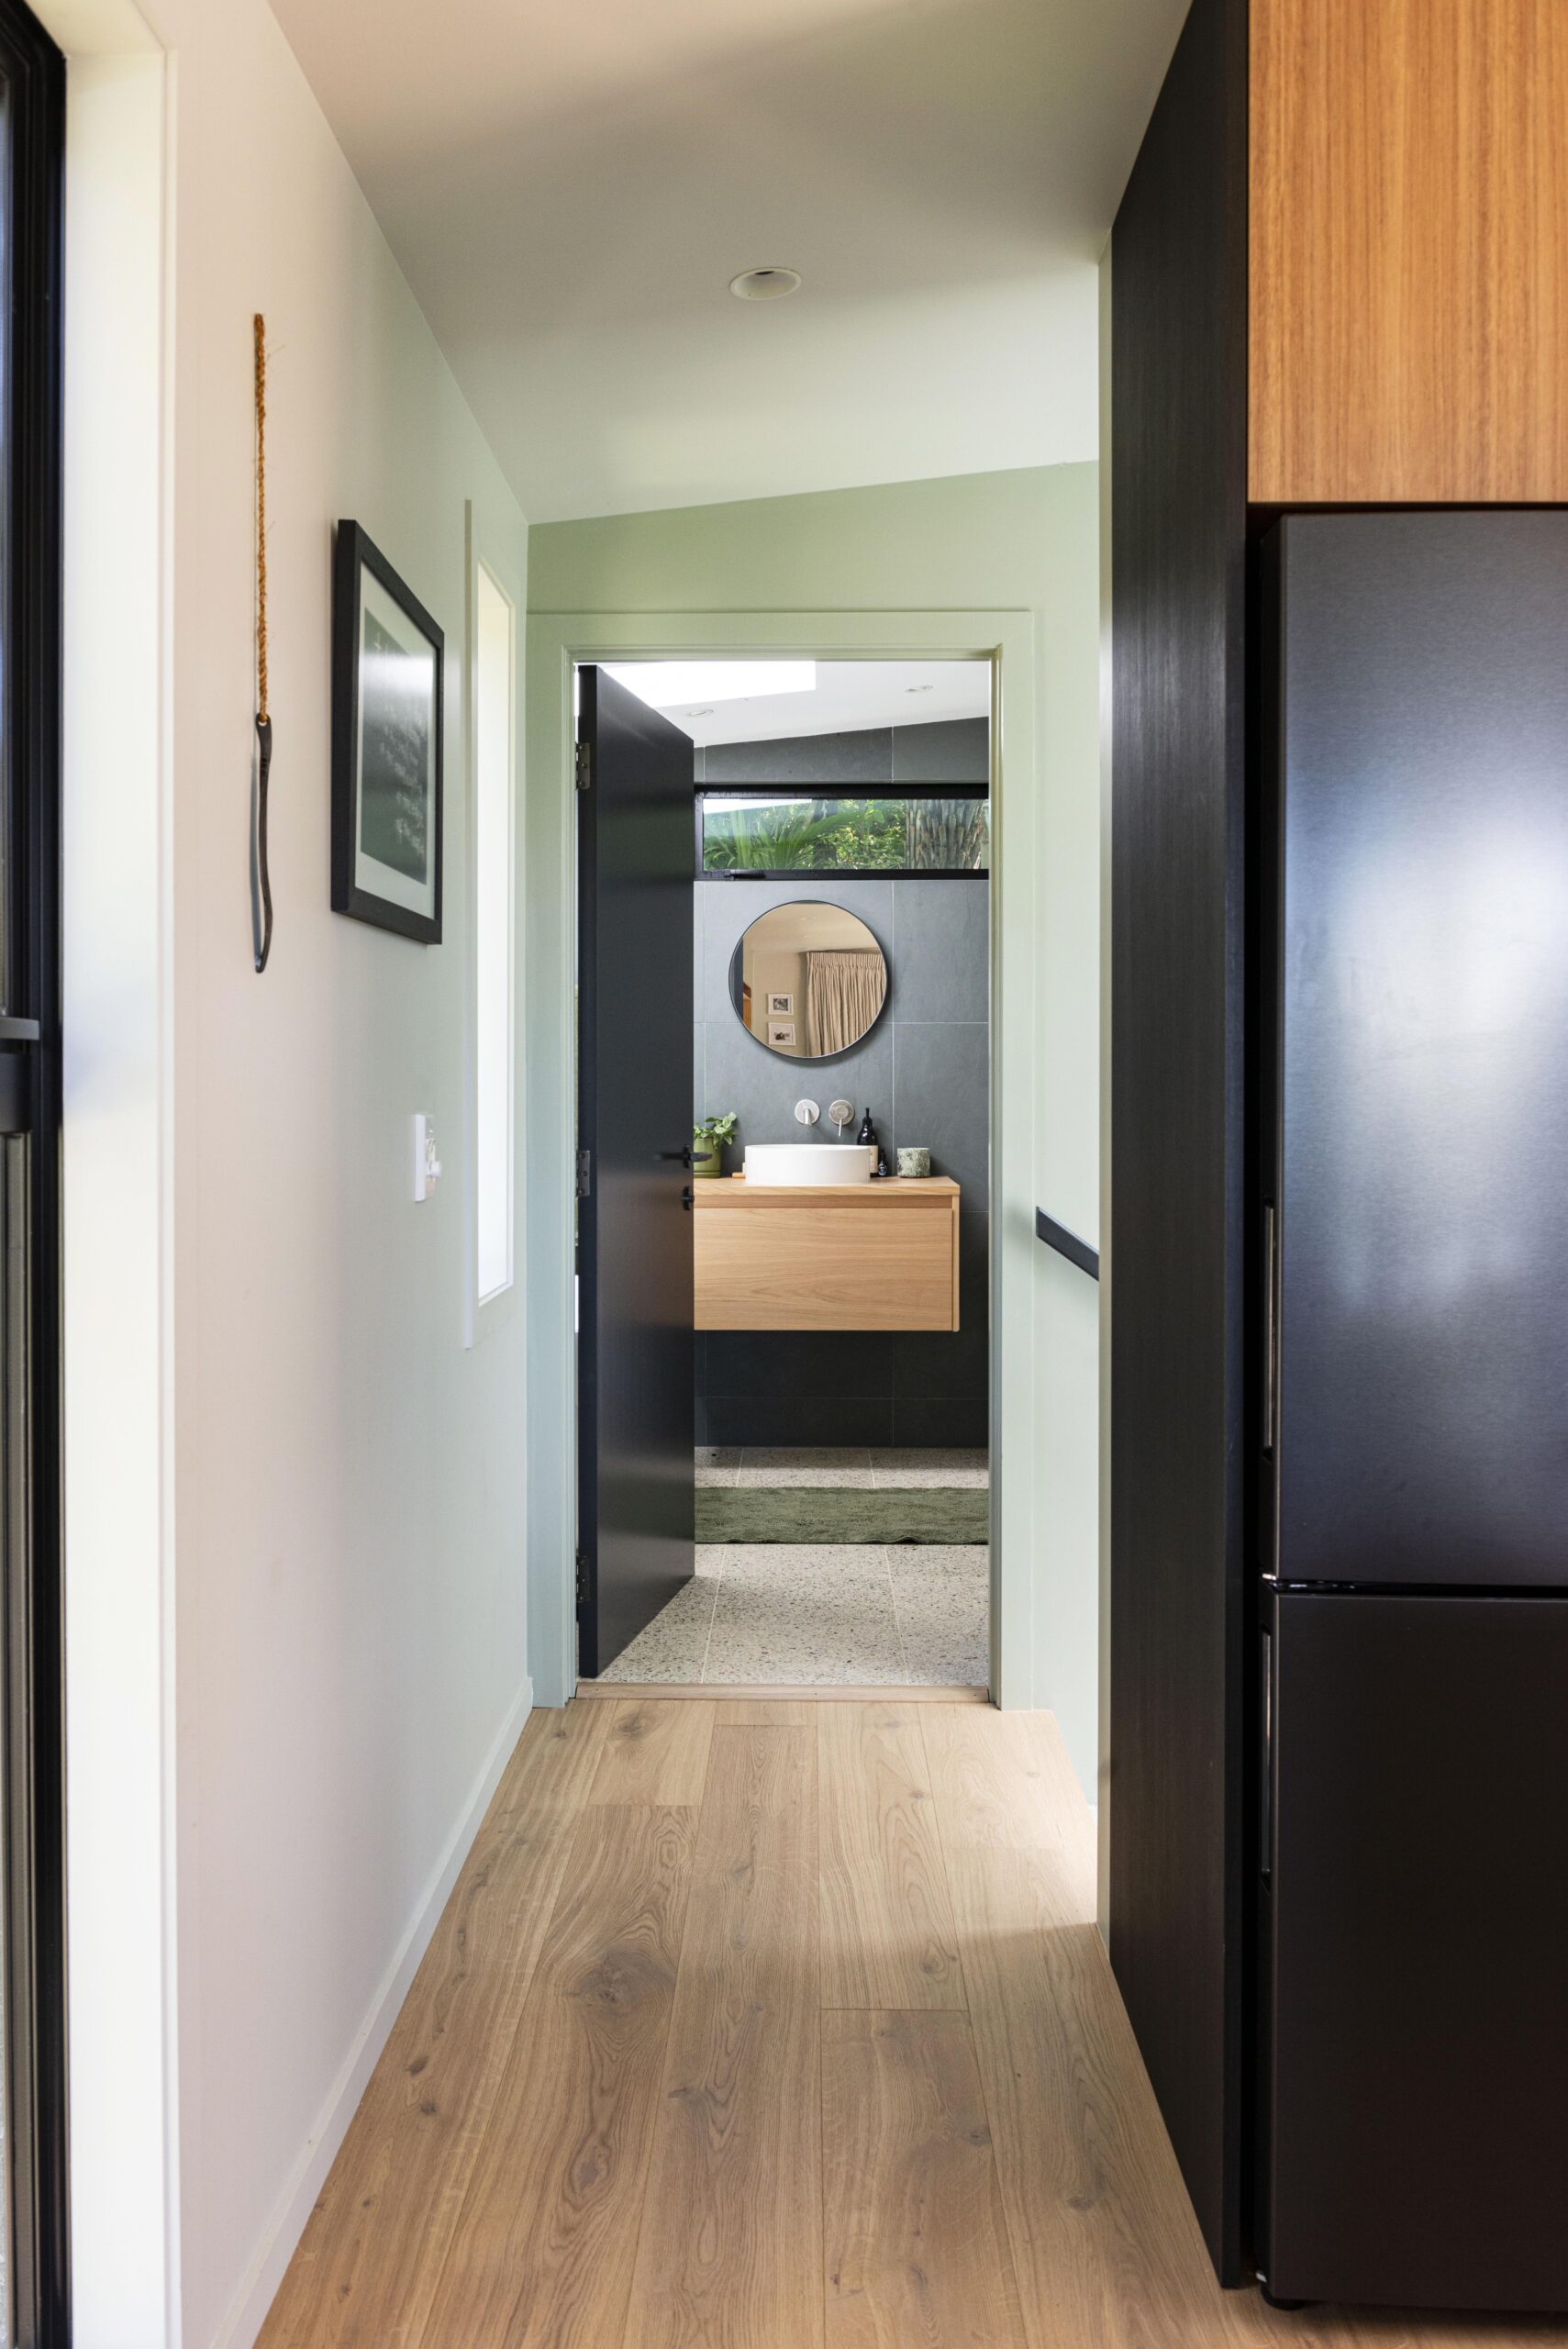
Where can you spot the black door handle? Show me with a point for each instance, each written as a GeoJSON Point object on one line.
{"type": "Point", "coordinates": [688, 1198]}
{"type": "Point", "coordinates": [681, 1157]}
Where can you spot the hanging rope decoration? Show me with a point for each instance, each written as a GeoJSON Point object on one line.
{"type": "Point", "coordinates": [261, 879]}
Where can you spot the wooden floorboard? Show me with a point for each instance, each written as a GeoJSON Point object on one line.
{"type": "Point", "coordinates": [543, 2255]}
{"type": "Point", "coordinates": [887, 1931]}
{"type": "Point", "coordinates": [732, 2248]}
{"type": "Point", "coordinates": [916, 2241]}
{"type": "Point", "coordinates": [367, 2264]}
{"type": "Point", "coordinates": [655, 1754]}
{"type": "Point", "coordinates": [685, 2065]}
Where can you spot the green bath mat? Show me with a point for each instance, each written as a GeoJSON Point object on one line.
{"type": "Point", "coordinates": [814, 1514]}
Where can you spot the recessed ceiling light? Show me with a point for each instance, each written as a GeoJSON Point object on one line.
{"type": "Point", "coordinates": [917, 689]}
{"type": "Point", "coordinates": [701, 713]}
{"type": "Point", "coordinates": [764, 284]}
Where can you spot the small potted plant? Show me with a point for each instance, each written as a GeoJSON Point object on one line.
{"type": "Point", "coordinates": [708, 1141]}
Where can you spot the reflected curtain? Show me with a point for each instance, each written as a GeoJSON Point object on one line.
{"type": "Point", "coordinates": [844, 991]}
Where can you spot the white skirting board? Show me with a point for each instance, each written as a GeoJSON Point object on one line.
{"type": "Point", "coordinates": [280, 2237]}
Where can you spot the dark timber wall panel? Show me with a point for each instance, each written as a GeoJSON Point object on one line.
{"type": "Point", "coordinates": [1179, 432]}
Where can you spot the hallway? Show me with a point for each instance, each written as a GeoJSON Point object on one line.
{"type": "Point", "coordinates": [766, 2023]}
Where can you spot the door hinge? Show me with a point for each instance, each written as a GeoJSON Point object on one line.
{"type": "Point", "coordinates": [585, 766]}
{"type": "Point", "coordinates": [581, 1578]}
{"type": "Point", "coordinates": [584, 1173]}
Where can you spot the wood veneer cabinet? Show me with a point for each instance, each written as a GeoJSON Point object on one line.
{"type": "Point", "coordinates": [880, 1255]}
{"type": "Point", "coordinates": [1407, 322]}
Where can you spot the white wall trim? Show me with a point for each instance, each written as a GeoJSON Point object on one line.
{"type": "Point", "coordinates": [116, 792]}
{"type": "Point", "coordinates": [1007, 639]}
{"type": "Point", "coordinates": [281, 2236]}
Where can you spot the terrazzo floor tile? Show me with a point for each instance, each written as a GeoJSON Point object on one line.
{"type": "Point", "coordinates": [816, 1617]}
{"type": "Point", "coordinates": [805, 1465]}
{"type": "Point", "coordinates": [674, 1645]}
{"type": "Point", "coordinates": [939, 1561]}
{"type": "Point", "coordinates": [942, 1598]}
{"type": "Point", "coordinates": [718, 1463]}
{"type": "Point", "coordinates": [924, 1470]}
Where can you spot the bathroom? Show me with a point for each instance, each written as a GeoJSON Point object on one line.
{"type": "Point", "coordinates": [841, 934]}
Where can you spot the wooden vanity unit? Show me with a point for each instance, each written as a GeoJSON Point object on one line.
{"type": "Point", "coordinates": [880, 1255]}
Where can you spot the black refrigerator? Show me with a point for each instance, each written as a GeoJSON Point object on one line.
{"type": "Point", "coordinates": [1412, 1858]}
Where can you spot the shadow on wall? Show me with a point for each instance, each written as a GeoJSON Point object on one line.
{"type": "Point", "coordinates": [923, 1072]}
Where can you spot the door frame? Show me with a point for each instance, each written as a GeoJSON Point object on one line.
{"type": "Point", "coordinates": [37, 2283]}
{"type": "Point", "coordinates": [556, 642]}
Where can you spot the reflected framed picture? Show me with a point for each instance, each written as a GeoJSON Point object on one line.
{"type": "Point", "coordinates": [387, 658]}
{"type": "Point", "coordinates": [782, 1004]}
{"type": "Point", "coordinates": [780, 1035]}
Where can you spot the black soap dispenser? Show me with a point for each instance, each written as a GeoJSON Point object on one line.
{"type": "Point", "coordinates": [867, 1134]}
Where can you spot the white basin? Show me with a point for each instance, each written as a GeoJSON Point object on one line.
{"type": "Point", "coordinates": [809, 1162]}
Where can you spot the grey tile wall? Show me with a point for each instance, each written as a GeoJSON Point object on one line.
{"type": "Point", "coordinates": [950, 750]}
{"type": "Point", "coordinates": [924, 1072]}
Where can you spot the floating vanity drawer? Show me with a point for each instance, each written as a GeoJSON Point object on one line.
{"type": "Point", "coordinates": [879, 1255]}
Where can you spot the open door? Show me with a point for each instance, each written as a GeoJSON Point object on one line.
{"type": "Point", "coordinates": [636, 1411]}
{"type": "Point", "coordinates": [35, 2263]}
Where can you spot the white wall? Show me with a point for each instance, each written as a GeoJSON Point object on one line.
{"type": "Point", "coordinates": [806, 573]}
{"type": "Point", "coordinates": [343, 1510]}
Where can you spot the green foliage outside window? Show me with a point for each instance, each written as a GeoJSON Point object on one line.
{"type": "Point", "coordinates": [837, 835]}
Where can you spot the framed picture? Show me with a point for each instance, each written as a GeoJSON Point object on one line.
{"type": "Point", "coordinates": [387, 657]}
{"type": "Point", "coordinates": [782, 1031]}
{"type": "Point", "coordinates": [782, 1004]}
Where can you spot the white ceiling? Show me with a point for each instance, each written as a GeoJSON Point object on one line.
{"type": "Point", "coordinates": [571, 184]}
{"type": "Point", "coordinates": [847, 695]}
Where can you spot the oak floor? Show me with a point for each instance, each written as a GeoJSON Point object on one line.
{"type": "Point", "coordinates": [760, 2024]}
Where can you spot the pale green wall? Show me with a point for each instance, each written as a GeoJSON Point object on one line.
{"type": "Point", "coordinates": [1030, 540]}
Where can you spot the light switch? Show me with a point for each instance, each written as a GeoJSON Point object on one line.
{"type": "Point", "coordinates": [427, 1165]}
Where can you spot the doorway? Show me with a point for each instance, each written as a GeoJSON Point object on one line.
{"type": "Point", "coordinates": [34, 2295]}
{"type": "Point", "coordinates": [827, 972]}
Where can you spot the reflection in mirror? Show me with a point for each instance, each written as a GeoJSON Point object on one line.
{"type": "Point", "coordinates": [808, 980]}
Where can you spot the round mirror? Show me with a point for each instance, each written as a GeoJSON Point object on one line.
{"type": "Point", "coordinates": [808, 980]}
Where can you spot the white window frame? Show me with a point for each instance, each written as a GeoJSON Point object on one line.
{"type": "Point", "coordinates": [490, 1307]}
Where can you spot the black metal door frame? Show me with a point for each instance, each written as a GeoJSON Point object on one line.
{"type": "Point", "coordinates": [32, 72]}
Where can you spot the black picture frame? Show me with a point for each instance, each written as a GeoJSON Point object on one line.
{"type": "Point", "coordinates": [408, 901]}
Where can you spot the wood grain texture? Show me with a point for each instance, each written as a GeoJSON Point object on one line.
{"type": "Point", "coordinates": [887, 1936]}
{"type": "Point", "coordinates": [1409, 266]}
{"type": "Point", "coordinates": [1003, 1780]}
{"type": "Point", "coordinates": [669, 2105]}
{"type": "Point", "coordinates": [542, 2259]}
{"type": "Point", "coordinates": [877, 1257]}
{"type": "Point", "coordinates": [731, 2246]}
{"type": "Point", "coordinates": [915, 2239]}
{"type": "Point", "coordinates": [1178, 1248]}
{"type": "Point", "coordinates": [655, 1754]}
{"type": "Point", "coordinates": [367, 2264]}
{"type": "Point", "coordinates": [763, 1712]}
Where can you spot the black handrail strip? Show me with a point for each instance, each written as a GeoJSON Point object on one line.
{"type": "Point", "coordinates": [1067, 1244]}
{"type": "Point", "coordinates": [754, 787]}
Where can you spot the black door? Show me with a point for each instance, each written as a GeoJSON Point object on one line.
{"type": "Point", "coordinates": [34, 2312]}
{"type": "Point", "coordinates": [1415, 2137]}
{"type": "Point", "coordinates": [636, 1408]}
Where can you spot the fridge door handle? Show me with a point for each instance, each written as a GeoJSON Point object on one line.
{"type": "Point", "coordinates": [1266, 1763]}
{"type": "Point", "coordinates": [1270, 1325]}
